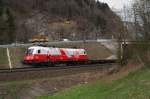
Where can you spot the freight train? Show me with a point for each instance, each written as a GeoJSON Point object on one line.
{"type": "Point", "coordinates": [51, 55]}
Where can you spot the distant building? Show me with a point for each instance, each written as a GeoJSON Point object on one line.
{"type": "Point", "coordinates": [41, 37]}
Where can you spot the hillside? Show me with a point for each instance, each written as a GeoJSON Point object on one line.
{"type": "Point", "coordinates": [133, 86]}
{"type": "Point", "coordinates": [73, 19]}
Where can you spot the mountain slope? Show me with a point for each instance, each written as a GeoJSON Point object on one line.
{"type": "Point", "coordinates": [73, 19]}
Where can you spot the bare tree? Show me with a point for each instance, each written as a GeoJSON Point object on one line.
{"type": "Point", "coordinates": [142, 16]}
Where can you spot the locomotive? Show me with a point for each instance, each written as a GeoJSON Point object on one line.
{"type": "Point", "coordinates": [52, 55]}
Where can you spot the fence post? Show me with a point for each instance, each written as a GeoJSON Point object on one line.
{"type": "Point", "coordinates": [9, 60]}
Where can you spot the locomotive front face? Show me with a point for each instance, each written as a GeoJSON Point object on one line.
{"type": "Point", "coordinates": [29, 55]}
{"type": "Point", "coordinates": [35, 54]}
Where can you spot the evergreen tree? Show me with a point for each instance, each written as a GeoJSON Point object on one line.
{"type": "Point", "coordinates": [10, 26]}
{"type": "Point", "coordinates": [1, 7]}
{"type": "Point", "coordinates": [7, 26]}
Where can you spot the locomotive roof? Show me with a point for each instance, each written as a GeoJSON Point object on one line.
{"type": "Point", "coordinates": [38, 47]}
{"type": "Point", "coordinates": [41, 47]}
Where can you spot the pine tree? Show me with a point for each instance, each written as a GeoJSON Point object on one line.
{"type": "Point", "coordinates": [10, 26]}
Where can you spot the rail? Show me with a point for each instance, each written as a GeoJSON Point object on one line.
{"type": "Point", "coordinates": [59, 66]}
{"type": "Point", "coordinates": [43, 72]}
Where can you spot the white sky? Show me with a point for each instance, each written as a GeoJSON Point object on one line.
{"type": "Point", "coordinates": [117, 4]}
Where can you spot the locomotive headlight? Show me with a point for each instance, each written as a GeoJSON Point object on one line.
{"type": "Point", "coordinates": [29, 57]}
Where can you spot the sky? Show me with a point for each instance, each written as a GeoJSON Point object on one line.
{"type": "Point", "coordinates": [117, 4]}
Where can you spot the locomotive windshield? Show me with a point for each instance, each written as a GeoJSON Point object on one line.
{"type": "Point", "coordinates": [29, 51]}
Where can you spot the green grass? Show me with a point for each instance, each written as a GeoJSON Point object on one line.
{"type": "Point", "coordinates": [134, 86]}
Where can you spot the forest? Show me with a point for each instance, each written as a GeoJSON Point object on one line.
{"type": "Point", "coordinates": [58, 19]}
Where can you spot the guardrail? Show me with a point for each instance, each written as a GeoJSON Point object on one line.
{"type": "Point", "coordinates": [52, 43]}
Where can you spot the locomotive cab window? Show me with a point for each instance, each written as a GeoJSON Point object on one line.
{"type": "Point", "coordinates": [29, 51]}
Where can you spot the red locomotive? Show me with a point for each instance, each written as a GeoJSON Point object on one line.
{"type": "Point", "coordinates": [39, 54]}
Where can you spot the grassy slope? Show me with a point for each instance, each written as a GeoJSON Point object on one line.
{"type": "Point", "coordinates": [3, 58]}
{"type": "Point", "coordinates": [135, 86]}
{"type": "Point", "coordinates": [16, 56]}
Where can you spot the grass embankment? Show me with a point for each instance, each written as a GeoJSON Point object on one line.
{"type": "Point", "coordinates": [16, 55]}
{"type": "Point", "coordinates": [134, 86]}
{"type": "Point", "coordinates": [3, 58]}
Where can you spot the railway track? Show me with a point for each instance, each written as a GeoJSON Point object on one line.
{"type": "Point", "coordinates": [59, 66]}
{"type": "Point", "coordinates": [40, 72]}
